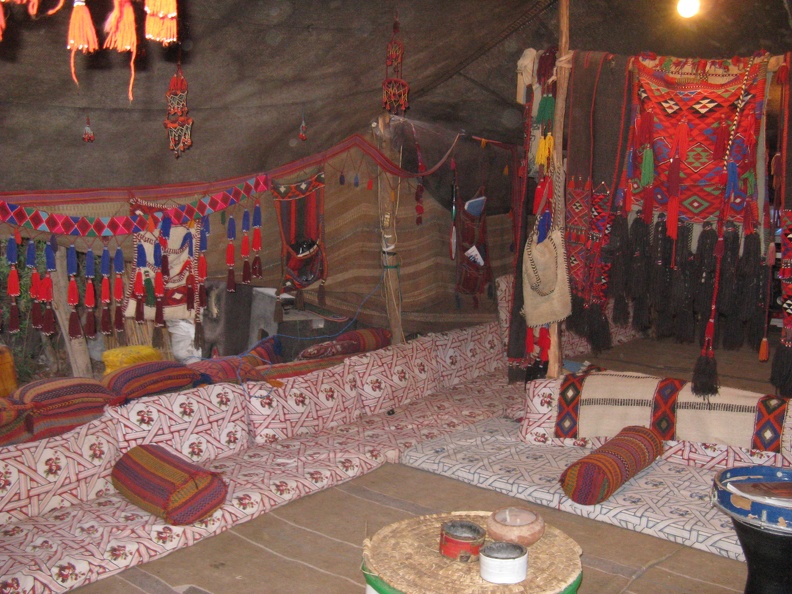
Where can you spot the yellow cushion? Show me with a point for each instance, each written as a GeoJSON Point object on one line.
{"type": "Point", "coordinates": [124, 356]}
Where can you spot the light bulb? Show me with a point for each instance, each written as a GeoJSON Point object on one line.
{"type": "Point", "coordinates": [688, 8]}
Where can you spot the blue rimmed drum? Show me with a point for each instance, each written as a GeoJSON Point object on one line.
{"type": "Point", "coordinates": [759, 501]}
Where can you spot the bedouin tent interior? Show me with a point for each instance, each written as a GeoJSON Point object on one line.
{"type": "Point", "coordinates": [287, 286]}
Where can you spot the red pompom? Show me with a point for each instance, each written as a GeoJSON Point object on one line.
{"type": "Point", "coordinates": [13, 317]}
{"type": "Point", "coordinates": [201, 267]}
{"type": "Point", "coordinates": [244, 247]}
{"type": "Point", "coordinates": [36, 318]}
{"type": "Point", "coordinates": [72, 294]}
{"type": "Point", "coordinates": [118, 289]}
{"type": "Point", "coordinates": [105, 290]}
{"type": "Point", "coordinates": [35, 284]}
{"type": "Point", "coordinates": [90, 324]}
{"type": "Point", "coordinates": [137, 288]}
{"type": "Point", "coordinates": [13, 282]}
{"type": "Point", "coordinates": [159, 284]}
{"type": "Point", "coordinates": [90, 294]}
{"type": "Point", "coordinates": [230, 254]}
{"type": "Point", "coordinates": [231, 282]}
{"type": "Point", "coordinates": [107, 329]}
{"type": "Point", "coordinates": [74, 325]}
{"type": "Point", "coordinates": [119, 319]}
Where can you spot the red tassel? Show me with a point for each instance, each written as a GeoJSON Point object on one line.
{"type": "Point", "coordinates": [231, 282]}
{"type": "Point", "coordinates": [198, 341]}
{"type": "Point", "coordinates": [165, 266]}
{"type": "Point", "coordinates": [672, 221]}
{"type": "Point", "coordinates": [721, 140]}
{"type": "Point", "coordinates": [118, 289]}
{"type": "Point", "coordinates": [674, 177]}
{"type": "Point", "coordinates": [105, 296]}
{"type": "Point", "coordinates": [48, 323]}
{"type": "Point", "coordinates": [72, 294]}
{"type": "Point", "coordinates": [35, 285]}
{"type": "Point", "coordinates": [764, 350]}
{"type": "Point", "coordinates": [370, 184]}
{"type": "Point", "coordinates": [544, 344]}
{"type": "Point", "coordinates": [35, 315]}
{"type": "Point", "coordinates": [529, 341]}
{"type": "Point", "coordinates": [13, 317]}
{"type": "Point", "coordinates": [190, 292]}
{"type": "Point", "coordinates": [159, 315]}
{"type": "Point", "coordinates": [648, 205]}
{"type": "Point", "coordinates": [628, 198]}
{"type": "Point", "coordinates": [646, 130]}
{"type": "Point", "coordinates": [256, 239]}
{"type": "Point", "coordinates": [74, 325]}
{"type": "Point", "coordinates": [230, 254]}
{"type": "Point", "coordinates": [90, 324]}
{"type": "Point", "coordinates": [246, 275]}
{"type": "Point", "coordinates": [13, 282]}
{"type": "Point", "coordinates": [256, 267]}
{"type": "Point", "coordinates": [139, 310]}
{"type": "Point", "coordinates": [244, 247]}
{"type": "Point", "coordinates": [138, 288]}
{"type": "Point", "coordinates": [90, 294]}
{"type": "Point", "coordinates": [45, 288]}
{"type": "Point", "coordinates": [201, 295]}
{"type": "Point", "coordinates": [119, 319]}
{"type": "Point", "coordinates": [201, 268]}
{"type": "Point", "coordinates": [159, 284]}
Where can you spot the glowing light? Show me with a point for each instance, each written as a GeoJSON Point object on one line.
{"type": "Point", "coordinates": [688, 8]}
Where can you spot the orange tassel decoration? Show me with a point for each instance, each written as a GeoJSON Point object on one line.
{"type": "Point", "coordinates": [764, 351]}
{"type": "Point", "coordinates": [161, 18]}
{"type": "Point", "coordinates": [82, 35]}
{"type": "Point", "coordinates": [121, 35]}
{"type": "Point", "coordinates": [2, 21]}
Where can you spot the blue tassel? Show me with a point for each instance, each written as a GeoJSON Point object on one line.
{"type": "Point", "coordinates": [732, 179]}
{"type": "Point", "coordinates": [90, 264]}
{"type": "Point", "coordinates": [11, 251]}
{"type": "Point", "coordinates": [157, 255]}
{"type": "Point", "coordinates": [118, 261]}
{"type": "Point", "coordinates": [165, 227]}
{"type": "Point", "coordinates": [54, 244]}
{"type": "Point", "coordinates": [257, 215]}
{"type": "Point", "coordinates": [246, 221]}
{"type": "Point", "coordinates": [203, 240]}
{"type": "Point", "coordinates": [71, 261]}
{"type": "Point", "coordinates": [356, 181]}
{"type": "Point", "coordinates": [140, 258]}
{"type": "Point", "coordinates": [105, 263]}
{"type": "Point", "coordinates": [341, 180]}
{"type": "Point", "coordinates": [205, 225]}
{"type": "Point", "coordinates": [188, 241]}
{"type": "Point", "coordinates": [30, 256]}
{"type": "Point", "coordinates": [231, 228]}
{"type": "Point", "coordinates": [49, 256]}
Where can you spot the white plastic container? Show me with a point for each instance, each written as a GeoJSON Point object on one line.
{"type": "Point", "coordinates": [503, 562]}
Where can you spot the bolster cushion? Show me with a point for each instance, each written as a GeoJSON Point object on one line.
{"type": "Point", "coordinates": [597, 476]}
{"type": "Point", "coordinates": [168, 485]}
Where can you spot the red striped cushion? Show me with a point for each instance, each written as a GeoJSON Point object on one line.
{"type": "Point", "coordinates": [226, 369]}
{"type": "Point", "coordinates": [49, 394]}
{"type": "Point", "coordinates": [51, 422]}
{"type": "Point", "coordinates": [367, 339]}
{"type": "Point", "coordinates": [294, 368]}
{"type": "Point", "coordinates": [15, 431]}
{"type": "Point", "coordinates": [328, 349]}
{"type": "Point", "coordinates": [597, 476]}
{"type": "Point", "coordinates": [167, 485]}
{"type": "Point", "coordinates": [152, 377]}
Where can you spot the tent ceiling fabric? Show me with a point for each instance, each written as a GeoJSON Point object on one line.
{"type": "Point", "coordinates": [254, 67]}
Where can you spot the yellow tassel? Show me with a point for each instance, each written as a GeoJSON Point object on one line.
{"type": "Point", "coordinates": [121, 35]}
{"type": "Point", "coordinates": [540, 152]}
{"type": "Point", "coordinates": [764, 351]}
{"type": "Point", "coordinates": [506, 170]}
{"type": "Point", "coordinates": [549, 146]}
{"type": "Point", "coordinates": [82, 35]}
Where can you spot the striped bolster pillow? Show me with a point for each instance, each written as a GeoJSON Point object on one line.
{"type": "Point", "coordinates": [597, 476]}
{"type": "Point", "coordinates": [167, 485]}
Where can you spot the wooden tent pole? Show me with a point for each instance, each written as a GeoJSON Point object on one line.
{"type": "Point", "coordinates": [390, 258]}
{"type": "Point", "coordinates": [77, 348]}
{"type": "Point", "coordinates": [556, 356]}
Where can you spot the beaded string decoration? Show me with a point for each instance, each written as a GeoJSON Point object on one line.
{"type": "Point", "coordinates": [230, 253]}
{"type": "Point", "coordinates": [118, 289]}
{"type": "Point", "coordinates": [104, 292]}
{"type": "Point", "coordinates": [177, 122]}
{"type": "Point", "coordinates": [244, 248]}
{"type": "Point", "coordinates": [90, 295]}
{"type": "Point", "coordinates": [88, 135]}
{"type": "Point", "coordinates": [394, 88]}
{"type": "Point", "coordinates": [256, 242]}
{"type": "Point", "coordinates": [35, 286]}
{"type": "Point", "coordinates": [72, 294]}
{"type": "Point", "coordinates": [45, 289]}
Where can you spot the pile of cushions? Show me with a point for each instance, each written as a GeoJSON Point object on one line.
{"type": "Point", "coordinates": [348, 343]}
{"type": "Point", "coordinates": [49, 407]}
{"type": "Point", "coordinates": [238, 369]}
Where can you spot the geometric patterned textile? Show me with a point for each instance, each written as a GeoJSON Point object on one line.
{"type": "Point", "coordinates": [665, 500]}
{"type": "Point", "coordinates": [570, 391]}
{"type": "Point", "coordinates": [466, 353]}
{"type": "Point", "coordinates": [770, 417]}
{"type": "Point", "coordinates": [690, 106]}
{"type": "Point", "coordinates": [200, 424]}
{"type": "Point", "coordinates": [664, 406]}
{"type": "Point", "coordinates": [302, 405]}
{"type": "Point", "coordinates": [724, 434]}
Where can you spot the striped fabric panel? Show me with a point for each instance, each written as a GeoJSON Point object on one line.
{"type": "Point", "coordinates": [153, 377]}
{"type": "Point", "coordinates": [56, 392]}
{"type": "Point", "coordinates": [167, 485]}
{"type": "Point", "coordinates": [15, 431]}
{"type": "Point", "coordinates": [597, 476]}
{"type": "Point", "coordinates": [295, 368]}
{"type": "Point", "coordinates": [43, 423]}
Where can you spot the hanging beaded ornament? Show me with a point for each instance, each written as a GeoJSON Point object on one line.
{"type": "Point", "coordinates": [394, 88]}
{"type": "Point", "coordinates": [178, 123]}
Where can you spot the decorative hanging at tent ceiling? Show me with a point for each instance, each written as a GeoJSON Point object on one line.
{"type": "Point", "coordinates": [395, 89]}
{"type": "Point", "coordinates": [177, 122]}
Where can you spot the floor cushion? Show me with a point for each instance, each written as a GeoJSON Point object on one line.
{"type": "Point", "coordinates": [149, 378]}
{"type": "Point", "coordinates": [167, 485]}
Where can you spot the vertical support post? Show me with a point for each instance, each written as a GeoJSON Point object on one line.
{"type": "Point", "coordinates": [556, 355]}
{"type": "Point", "coordinates": [390, 256]}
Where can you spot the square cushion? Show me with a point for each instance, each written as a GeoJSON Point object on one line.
{"type": "Point", "coordinates": [153, 377]}
{"type": "Point", "coordinates": [384, 378]}
{"type": "Point", "coordinates": [597, 476]}
{"type": "Point", "coordinates": [235, 370]}
{"type": "Point", "coordinates": [167, 485]}
{"type": "Point", "coordinates": [301, 405]}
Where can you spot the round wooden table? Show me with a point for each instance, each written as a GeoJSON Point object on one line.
{"type": "Point", "coordinates": [404, 558]}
